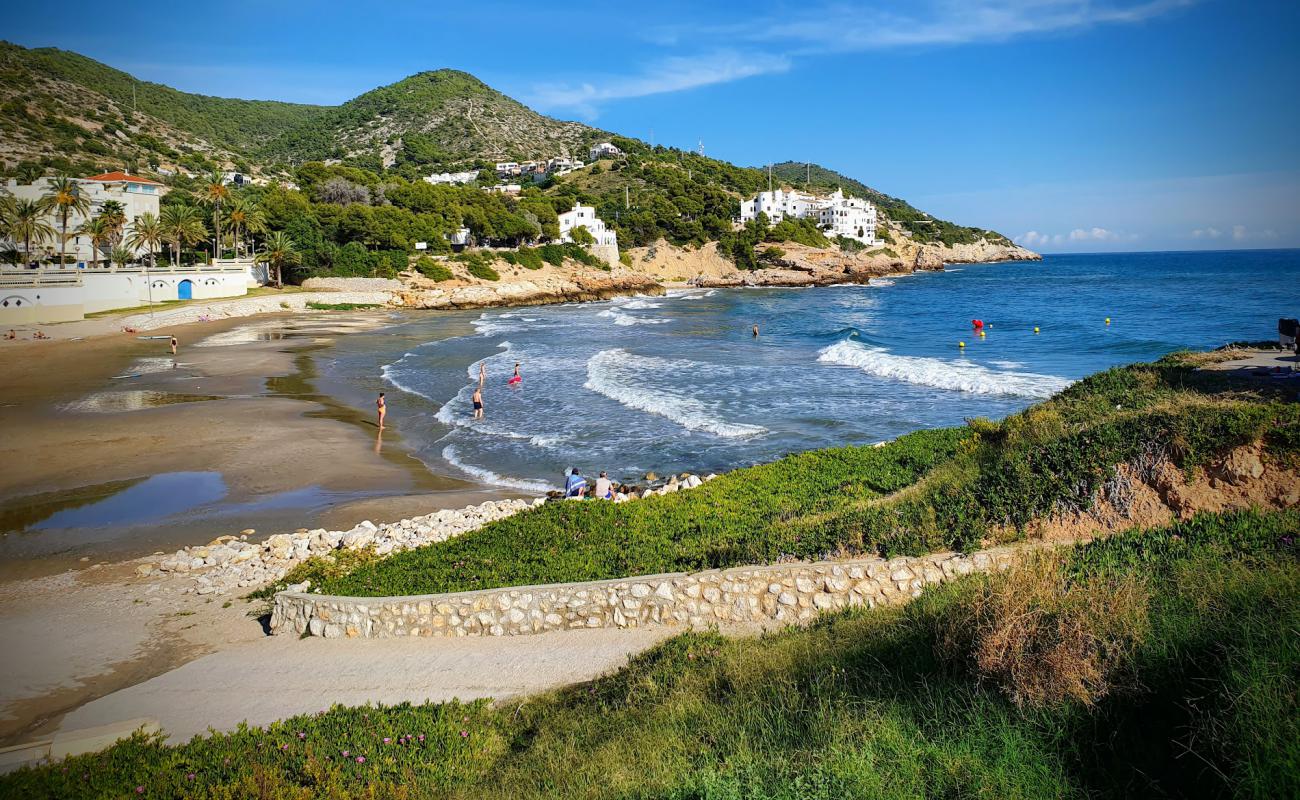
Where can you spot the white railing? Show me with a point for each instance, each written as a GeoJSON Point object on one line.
{"type": "Point", "coordinates": [31, 279]}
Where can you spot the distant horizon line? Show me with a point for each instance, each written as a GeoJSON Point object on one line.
{"type": "Point", "coordinates": [1140, 252]}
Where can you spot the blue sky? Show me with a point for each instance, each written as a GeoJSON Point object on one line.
{"type": "Point", "coordinates": [1071, 125]}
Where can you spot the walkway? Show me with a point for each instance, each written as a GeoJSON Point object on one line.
{"type": "Point", "coordinates": [278, 677]}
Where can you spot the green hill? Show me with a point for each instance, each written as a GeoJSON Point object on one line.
{"type": "Point", "coordinates": [432, 118]}
{"type": "Point", "coordinates": [61, 112]}
{"type": "Point", "coordinates": [231, 124]}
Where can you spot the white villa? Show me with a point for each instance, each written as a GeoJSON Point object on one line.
{"type": "Point", "coordinates": [837, 215]}
{"type": "Point", "coordinates": [585, 217]}
{"type": "Point", "coordinates": [603, 150]}
{"type": "Point", "coordinates": [137, 196]}
{"type": "Point", "coordinates": [451, 178]}
{"type": "Point", "coordinates": [87, 285]}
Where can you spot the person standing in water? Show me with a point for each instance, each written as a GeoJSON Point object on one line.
{"type": "Point", "coordinates": [515, 379]}
{"type": "Point", "coordinates": [477, 397]}
{"type": "Point", "coordinates": [174, 344]}
{"type": "Point", "coordinates": [755, 331]}
{"type": "Point", "coordinates": [382, 407]}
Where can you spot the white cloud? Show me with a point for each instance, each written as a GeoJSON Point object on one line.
{"type": "Point", "coordinates": [836, 27]}
{"type": "Point", "coordinates": [846, 28]}
{"type": "Point", "coordinates": [1240, 233]}
{"type": "Point", "coordinates": [675, 74]}
{"type": "Point", "coordinates": [1035, 239]}
{"type": "Point", "coordinates": [1096, 235]}
{"type": "Point", "coordinates": [1208, 232]}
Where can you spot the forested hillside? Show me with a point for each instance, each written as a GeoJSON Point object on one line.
{"type": "Point", "coordinates": [344, 182]}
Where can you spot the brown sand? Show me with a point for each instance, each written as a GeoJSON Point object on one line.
{"type": "Point", "coordinates": [111, 629]}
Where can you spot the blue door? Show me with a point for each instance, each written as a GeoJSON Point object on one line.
{"type": "Point", "coordinates": [185, 290]}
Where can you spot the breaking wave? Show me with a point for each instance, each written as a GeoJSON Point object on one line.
{"type": "Point", "coordinates": [452, 456]}
{"type": "Point", "coordinates": [958, 376]}
{"type": "Point", "coordinates": [627, 319]}
{"type": "Point", "coordinates": [613, 373]}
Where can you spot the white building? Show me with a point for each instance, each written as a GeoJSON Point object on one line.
{"type": "Point", "coordinates": [603, 150]}
{"type": "Point", "coordinates": [562, 165]}
{"type": "Point", "coordinates": [451, 178]}
{"type": "Point", "coordinates": [585, 216]}
{"type": "Point", "coordinates": [504, 188]}
{"type": "Point", "coordinates": [850, 217]}
{"type": "Point", "coordinates": [507, 168]}
{"type": "Point", "coordinates": [137, 196]}
{"type": "Point", "coordinates": [836, 215]}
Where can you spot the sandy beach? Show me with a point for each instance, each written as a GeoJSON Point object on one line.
{"type": "Point", "coordinates": [248, 412]}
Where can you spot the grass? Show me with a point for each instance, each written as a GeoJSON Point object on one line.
{"type": "Point", "coordinates": [341, 306]}
{"type": "Point", "coordinates": [927, 491]}
{"type": "Point", "coordinates": [1200, 698]}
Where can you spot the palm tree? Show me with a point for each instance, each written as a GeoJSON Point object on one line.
{"type": "Point", "coordinates": [114, 214]}
{"type": "Point", "coordinates": [280, 251]}
{"type": "Point", "coordinates": [28, 224]}
{"type": "Point", "coordinates": [99, 229]}
{"type": "Point", "coordinates": [240, 210]}
{"type": "Point", "coordinates": [215, 193]}
{"type": "Point", "coordinates": [65, 197]}
{"type": "Point", "coordinates": [121, 256]}
{"type": "Point", "coordinates": [181, 226]}
{"type": "Point", "coordinates": [147, 232]}
{"type": "Point", "coordinates": [29, 173]}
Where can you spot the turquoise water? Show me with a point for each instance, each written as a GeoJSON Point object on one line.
{"type": "Point", "coordinates": [679, 382]}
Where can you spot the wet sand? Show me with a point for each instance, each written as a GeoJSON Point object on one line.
{"type": "Point", "coordinates": [248, 412]}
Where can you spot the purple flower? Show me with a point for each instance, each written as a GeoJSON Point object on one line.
{"type": "Point", "coordinates": [387, 740]}
{"type": "Point", "coordinates": [284, 747]}
{"type": "Point", "coordinates": [422, 737]}
{"type": "Point", "coordinates": [361, 759]}
{"type": "Point", "coordinates": [189, 777]}
{"type": "Point", "coordinates": [464, 734]}
{"type": "Point", "coordinates": [302, 735]}
{"type": "Point", "coordinates": [346, 754]}
{"type": "Point", "coordinates": [139, 790]}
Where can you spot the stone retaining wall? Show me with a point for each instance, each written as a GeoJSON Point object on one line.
{"type": "Point", "coordinates": [794, 592]}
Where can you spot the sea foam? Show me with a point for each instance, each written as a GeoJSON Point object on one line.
{"type": "Point", "coordinates": [953, 375]}
{"type": "Point", "coordinates": [452, 456]}
{"type": "Point", "coordinates": [613, 373]}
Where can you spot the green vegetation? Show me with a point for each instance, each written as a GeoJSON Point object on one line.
{"type": "Point", "coordinates": [1146, 664]}
{"type": "Point", "coordinates": [238, 125]}
{"type": "Point", "coordinates": [432, 269]}
{"type": "Point", "coordinates": [479, 264]}
{"type": "Point", "coordinates": [927, 491]}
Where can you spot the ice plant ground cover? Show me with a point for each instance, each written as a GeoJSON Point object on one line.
{"type": "Point", "coordinates": [933, 490]}
{"type": "Point", "coordinates": [1158, 662]}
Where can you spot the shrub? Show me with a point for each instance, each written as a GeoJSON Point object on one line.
{"type": "Point", "coordinates": [479, 264]}
{"type": "Point", "coordinates": [771, 254]}
{"type": "Point", "coordinates": [432, 269]}
{"type": "Point", "coordinates": [1045, 639]}
{"type": "Point", "coordinates": [552, 254]}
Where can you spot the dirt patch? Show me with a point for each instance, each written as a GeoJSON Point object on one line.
{"type": "Point", "coordinates": [1158, 493]}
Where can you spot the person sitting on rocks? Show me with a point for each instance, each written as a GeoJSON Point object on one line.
{"type": "Point", "coordinates": [604, 487]}
{"type": "Point", "coordinates": [575, 485]}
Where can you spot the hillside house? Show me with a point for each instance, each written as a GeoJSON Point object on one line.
{"type": "Point", "coordinates": [585, 216]}
{"type": "Point", "coordinates": [603, 150]}
{"type": "Point", "coordinates": [835, 214]}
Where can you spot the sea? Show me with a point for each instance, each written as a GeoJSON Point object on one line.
{"type": "Point", "coordinates": [680, 383]}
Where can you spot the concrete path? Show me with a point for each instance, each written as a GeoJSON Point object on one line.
{"type": "Point", "coordinates": [278, 677]}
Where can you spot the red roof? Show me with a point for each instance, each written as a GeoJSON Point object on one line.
{"type": "Point", "coordinates": [121, 177]}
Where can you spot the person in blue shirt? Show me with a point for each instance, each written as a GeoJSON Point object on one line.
{"type": "Point", "coordinates": [575, 485]}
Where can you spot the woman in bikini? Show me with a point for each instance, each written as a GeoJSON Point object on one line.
{"type": "Point", "coordinates": [515, 379]}
{"type": "Point", "coordinates": [382, 407]}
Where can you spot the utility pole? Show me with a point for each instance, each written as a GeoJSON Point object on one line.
{"type": "Point", "coordinates": [769, 177]}
{"type": "Point", "coordinates": [626, 201]}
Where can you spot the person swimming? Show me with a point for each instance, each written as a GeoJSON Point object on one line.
{"type": "Point", "coordinates": [516, 378]}
{"type": "Point", "coordinates": [477, 397]}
